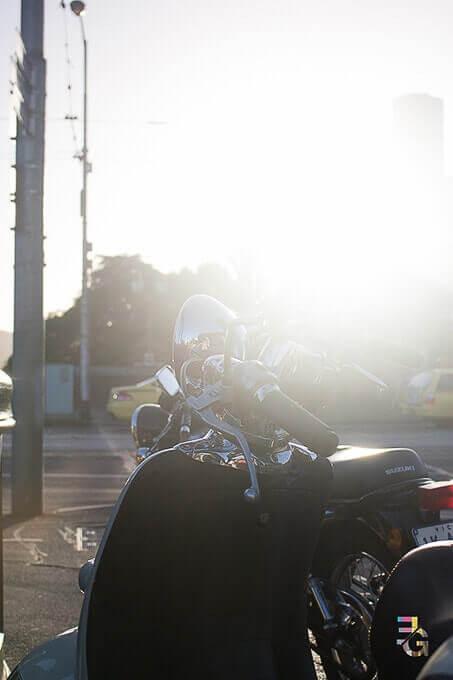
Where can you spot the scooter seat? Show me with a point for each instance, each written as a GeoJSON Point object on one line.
{"type": "Point", "coordinates": [360, 471]}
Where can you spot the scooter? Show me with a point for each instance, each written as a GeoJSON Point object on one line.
{"type": "Point", "coordinates": [202, 568]}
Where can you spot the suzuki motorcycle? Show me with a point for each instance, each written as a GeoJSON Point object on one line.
{"type": "Point", "coordinates": [382, 504]}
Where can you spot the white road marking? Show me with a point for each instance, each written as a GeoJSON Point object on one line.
{"type": "Point", "coordinates": [85, 475]}
{"type": "Point", "coordinates": [77, 475]}
{"type": "Point", "coordinates": [75, 537]}
{"type": "Point", "coordinates": [88, 453]}
{"type": "Point", "coordinates": [85, 489]}
{"type": "Point", "coordinates": [82, 507]}
{"type": "Point", "coordinates": [22, 540]}
{"type": "Point", "coordinates": [67, 534]}
{"type": "Point", "coordinates": [79, 539]}
{"type": "Point", "coordinates": [30, 546]}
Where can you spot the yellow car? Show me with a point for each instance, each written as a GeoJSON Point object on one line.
{"type": "Point", "coordinates": [430, 394]}
{"type": "Point", "coordinates": [124, 400]}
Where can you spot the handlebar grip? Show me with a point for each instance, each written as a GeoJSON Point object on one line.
{"type": "Point", "coordinates": [303, 425]}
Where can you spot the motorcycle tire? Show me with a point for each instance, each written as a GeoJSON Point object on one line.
{"type": "Point", "coordinates": [360, 543]}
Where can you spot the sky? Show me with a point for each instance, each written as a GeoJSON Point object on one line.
{"type": "Point", "coordinates": [225, 127]}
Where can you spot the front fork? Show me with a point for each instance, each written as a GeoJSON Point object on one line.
{"type": "Point", "coordinates": [333, 609]}
{"type": "Point", "coordinates": [317, 591]}
{"type": "Point", "coordinates": [338, 628]}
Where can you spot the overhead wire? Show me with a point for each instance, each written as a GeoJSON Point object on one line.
{"type": "Point", "coordinates": [70, 116]}
{"type": "Point", "coordinates": [103, 121]}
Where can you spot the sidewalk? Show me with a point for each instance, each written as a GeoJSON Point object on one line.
{"type": "Point", "coordinates": [42, 558]}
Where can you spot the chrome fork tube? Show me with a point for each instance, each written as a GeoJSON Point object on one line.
{"type": "Point", "coordinates": [317, 590]}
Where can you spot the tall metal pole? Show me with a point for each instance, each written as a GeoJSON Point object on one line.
{"type": "Point", "coordinates": [84, 309]}
{"type": "Point", "coordinates": [28, 350]}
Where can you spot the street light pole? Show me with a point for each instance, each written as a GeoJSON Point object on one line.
{"type": "Point", "coordinates": [78, 8]}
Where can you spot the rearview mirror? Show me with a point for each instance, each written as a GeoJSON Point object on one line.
{"type": "Point", "coordinates": [85, 574]}
{"type": "Point", "coordinates": [167, 380]}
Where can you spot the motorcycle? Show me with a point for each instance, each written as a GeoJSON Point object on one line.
{"type": "Point", "coordinates": [383, 502]}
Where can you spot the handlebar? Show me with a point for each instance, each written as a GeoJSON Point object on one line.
{"type": "Point", "coordinates": [253, 387]}
{"type": "Point", "coordinates": [303, 425]}
{"type": "Point", "coordinates": [256, 388]}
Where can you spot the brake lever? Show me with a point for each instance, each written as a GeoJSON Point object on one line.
{"type": "Point", "coordinates": [219, 394]}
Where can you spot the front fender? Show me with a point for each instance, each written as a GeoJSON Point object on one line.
{"type": "Point", "coordinates": [343, 536]}
{"type": "Point", "coordinates": [53, 660]}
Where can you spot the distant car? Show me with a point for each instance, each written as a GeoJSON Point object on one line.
{"type": "Point", "coordinates": [430, 394]}
{"type": "Point", "coordinates": [123, 401]}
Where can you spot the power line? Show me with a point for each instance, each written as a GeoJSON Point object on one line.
{"type": "Point", "coordinates": [100, 121]}
{"type": "Point", "coordinates": [103, 121]}
{"type": "Point", "coordinates": [69, 116]}
{"type": "Point", "coordinates": [113, 121]}
{"type": "Point", "coordinates": [125, 121]}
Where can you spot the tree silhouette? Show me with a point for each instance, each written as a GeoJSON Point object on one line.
{"type": "Point", "coordinates": [133, 308]}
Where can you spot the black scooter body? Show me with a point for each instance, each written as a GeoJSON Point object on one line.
{"type": "Point", "coordinates": [191, 581]}
{"type": "Point", "coordinates": [373, 498]}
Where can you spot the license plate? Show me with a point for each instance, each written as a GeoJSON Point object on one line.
{"type": "Point", "coordinates": [437, 532]}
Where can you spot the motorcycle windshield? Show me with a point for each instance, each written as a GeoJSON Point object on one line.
{"type": "Point", "coordinates": [201, 329]}
{"type": "Point", "coordinates": [191, 581]}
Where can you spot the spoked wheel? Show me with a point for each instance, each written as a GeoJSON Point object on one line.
{"type": "Point", "coordinates": [345, 650]}
{"type": "Point", "coordinates": [363, 575]}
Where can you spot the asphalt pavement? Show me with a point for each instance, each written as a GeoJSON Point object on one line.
{"type": "Point", "coordinates": [84, 471]}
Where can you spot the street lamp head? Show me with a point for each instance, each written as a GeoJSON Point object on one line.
{"type": "Point", "coordinates": [78, 7]}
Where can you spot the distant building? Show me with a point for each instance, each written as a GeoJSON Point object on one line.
{"type": "Point", "coordinates": [423, 216]}
{"type": "Point", "coordinates": [418, 128]}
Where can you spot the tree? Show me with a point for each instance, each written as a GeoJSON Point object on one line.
{"type": "Point", "coordinates": [133, 308]}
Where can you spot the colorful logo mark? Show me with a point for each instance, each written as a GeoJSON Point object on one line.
{"type": "Point", "coordinates": [416, 642]}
